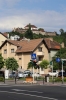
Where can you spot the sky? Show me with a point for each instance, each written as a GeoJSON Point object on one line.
{"type": "Point", "coordinates": [47, 14]}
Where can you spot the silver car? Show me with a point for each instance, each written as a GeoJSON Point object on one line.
{"type": "Point", "coordinates": [20, 74]}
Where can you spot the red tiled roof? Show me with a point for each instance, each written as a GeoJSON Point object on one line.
{"type": "Point", "coordinates": [52, 44]}
{"type": "Point", "coordinates": [31, 45]}
{"type": "Point", "coordinates": [5, 35]}
{"type": "Point", "coordinates": [33, 26]}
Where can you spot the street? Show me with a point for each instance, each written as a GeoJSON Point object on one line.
{"type": "Point", "coordinates": [33, 92]}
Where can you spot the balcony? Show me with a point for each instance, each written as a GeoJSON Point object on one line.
{"type": "Point", "coordinates": [40, 53]}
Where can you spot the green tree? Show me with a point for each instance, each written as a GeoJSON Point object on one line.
{"type": "Point", "coordinates": [11, 63]}
{"type": "Point", "coordinates": [29, 33]}
{"type": "Point", "coordinates": [61, 31]}
{"type": "Point", "coordinates": [44, 64]}
{"type": "Point", "coordinates": [1, 61]}
{"type": "Point", "coordinates": [62, 55]}
{"type": "Point", "coordinates": [30, 65]}
{"type": "Point", "coordinates": [15, 33]}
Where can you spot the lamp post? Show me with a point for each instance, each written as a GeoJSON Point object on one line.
{"type": "Point", "coordinates": [33, 74]}
{"type": "Point", "coordinates": [51, 63]}
{"type": "Point", "coordinates": [62, 71]}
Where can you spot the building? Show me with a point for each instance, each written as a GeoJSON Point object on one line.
{"type": "Point", "coordinates": [3, 37]}
{"type": "Point", "coordinates": [22, 50]}
{"type": "Point", "coordinates": [34, 30]}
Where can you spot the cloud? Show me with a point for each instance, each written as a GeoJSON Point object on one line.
{"type": "Point", "coordinates": [8, 3]}
{"type": "Point", "coordinates": [49, 20]}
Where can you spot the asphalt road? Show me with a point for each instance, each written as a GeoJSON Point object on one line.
{"type": "Point", "coordinates": [35, 92]}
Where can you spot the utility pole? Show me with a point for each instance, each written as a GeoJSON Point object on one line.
{"type": "Point", "coordinates": [33, 74]}
{"type": "Point", "coordinates": [51, 63]}
{"type": "Point", "coordinates": [62, 71]}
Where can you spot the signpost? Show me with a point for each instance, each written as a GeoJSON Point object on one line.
{"type": "Point", "coordinates": [62, 69]}
{"type": "Point", "coordinates": [51, 63]}
{"type": "Point", "coordinates": [33, 57]}
{"type": "Point", "coordinates": [58, 60]}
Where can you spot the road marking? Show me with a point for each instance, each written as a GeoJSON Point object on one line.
{"type": "Point", "coordinates": [26, 90]}
{"type": "Point", "coordinates": [29, 95]}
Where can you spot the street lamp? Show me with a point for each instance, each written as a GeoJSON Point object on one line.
{"type": "Point", "coordinates": [62, 68]}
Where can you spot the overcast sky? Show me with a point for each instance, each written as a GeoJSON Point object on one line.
{"type": "Point", "coordinates": [47, 14]}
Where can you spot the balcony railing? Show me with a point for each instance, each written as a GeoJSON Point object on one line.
{"type": "Point", "coordinates": [40, 53]}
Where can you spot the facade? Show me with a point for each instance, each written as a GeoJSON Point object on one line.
{"type": "Point", "coordinates": [2, 38]}
{"type": "Point", "coordinates": [22, 50]}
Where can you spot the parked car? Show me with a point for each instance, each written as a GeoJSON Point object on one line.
{"type": "Point", "coordinates": [36, 75]}
{"type": "Point", "coordinates": [60, 74]}
{"type": "Point", "coordinates": [12, 74]}
{"type": "Point", "coordinates": [54, 73]}
{"type": "Point", "coordinates": [27, 73]}
{"type": "Point", "coordinates": [20, 74]}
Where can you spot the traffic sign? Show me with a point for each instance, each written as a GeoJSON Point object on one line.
{"type": "Point", "coordinates": [58, 59]}
{"type": "Point", "coordinates": [33, 56]}
{"type": "Point", "coordinates": [51, 62]}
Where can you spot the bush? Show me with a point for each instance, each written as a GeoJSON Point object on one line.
{"type": "Point", "coordinates": [58, 79]}
{"type": "Point", "coordinates": [2, 79]}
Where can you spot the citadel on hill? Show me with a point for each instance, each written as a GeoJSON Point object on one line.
{"type": "Point", "coordinates": [34, 30]}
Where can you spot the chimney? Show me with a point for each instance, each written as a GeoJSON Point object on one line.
{"type": "Point", "coordinates": [62, 44]}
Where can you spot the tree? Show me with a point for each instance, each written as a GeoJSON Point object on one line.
{"type": "Point", "coordinates": [62, 55]}
{"type": "Point", "coordinates": [44, 64]}
{"type": "Point", "coordinates": [29, 33]}
{"type": "Point", "coordinates": [61, 31]}
{"type": "Point", "coordinates": [11, 63]}
{"type": "Point", "coordinates": [1, 61]}
{"type": "Point", "coordinates": [30, 65]}
{"type": "Point", "coordinates": [15, 33]}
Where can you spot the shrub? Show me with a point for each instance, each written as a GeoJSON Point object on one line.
{"type": "Point", "coordinates": [2, 79]}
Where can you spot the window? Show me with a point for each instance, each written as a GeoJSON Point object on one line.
{"type": "Point", "coordinates": [40, 58]}
{"type": "Point", "coordinates": [40, 49]}
{"type": "Point", "coordinates": [12, 50]}
{"type": "Point", "coordinates": [5, 51]}
{"type": "Point", "coordinates": [19, 58]}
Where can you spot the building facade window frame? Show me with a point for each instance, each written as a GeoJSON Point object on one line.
{"type": "Point", "coordinates": [40, 49]}
{"type": "Point", "coordinates": [12, 50]}
{"type": "Point", "coordinates": [5, 51]}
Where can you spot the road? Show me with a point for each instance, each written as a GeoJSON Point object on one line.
{"type": "Point", "coordinates": [32, 92]}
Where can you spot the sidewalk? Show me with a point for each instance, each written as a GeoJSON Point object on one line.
{"type": "Point", "coordinates": [21, 82]}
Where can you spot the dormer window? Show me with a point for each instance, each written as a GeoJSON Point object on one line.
{"type": "Point", "coordinates": [40, 49]}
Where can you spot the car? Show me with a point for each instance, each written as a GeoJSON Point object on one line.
{"type": "Point", "coordinates": [54, 73]}
{"type": "Point", "coordinates": [60, 74]}
{"type": "Point", "coordinates": [12, 74]}
{"type": "Point", "coordinates": [20, 74]}
{"type": "Point", "coordinates": [36, 75]}
{"type": "Point", "coordinates": [27, 73]}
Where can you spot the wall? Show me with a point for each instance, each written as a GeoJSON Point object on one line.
{"type": "Point", "coordinates": [2, 38]}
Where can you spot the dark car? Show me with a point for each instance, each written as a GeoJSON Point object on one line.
{"type": "Point", "coordinates": [12, 75]}
{"type": "Point", "coordinates": [60, 74]}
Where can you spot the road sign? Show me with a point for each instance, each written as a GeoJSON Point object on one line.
{"type": "Point", "coordinates": [33, 56]}
{"type": "Point", "coordinates": [58, 59]}
{"type": "Point", "coordinates": [51, 62]}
